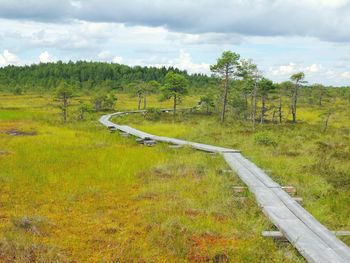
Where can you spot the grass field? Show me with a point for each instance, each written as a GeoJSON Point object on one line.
{"type": "Point", "coordinates": [76, 193]}
{"type": "Point", "coordinates": [315, 162]}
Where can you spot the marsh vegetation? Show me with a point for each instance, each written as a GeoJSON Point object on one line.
{"type": "Point", "coordinates": [70, 191]}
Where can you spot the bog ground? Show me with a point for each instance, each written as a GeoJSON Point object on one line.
{"type": "Point", "coordinates": [77, 193]}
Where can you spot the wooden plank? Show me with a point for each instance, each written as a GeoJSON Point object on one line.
{"type": "Point", "coordinates": [279, 235]}
{"type": "Point", "coordinates": [290, 189]}
{"type": "Point", "coordinates": [326, 236]}
{"type": "Point", "coordinates": [341, 233]}
{"type": "Point", "coordinates": [149, 142]}
{"type": "Point", "coordinates": [239, 189]}
{"type": "Point", "coordinates": [299, 200]}
{"type": "Point", "coordinates": [274, 234]}
{"type": "Point", "coordinates": [124, 134]}
{"type": "Point", "coordinates": [175, 146]}
{"type": "Point", "coordinates": [226, 171]}
{"type": "Point", "coordinates": [139, 141]}
{"type": "Point", "coordinates": [298, 233]}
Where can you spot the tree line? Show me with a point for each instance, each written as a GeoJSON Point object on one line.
{"type": "Point", "coordinates": [86, 76]}
{"type": "Point", "coordinates": [236, 86]}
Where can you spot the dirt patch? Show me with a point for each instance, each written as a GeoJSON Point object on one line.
{"type": "Point", "coordinates": [209, 247]}
{"type": "Point", "coordinates": [10, 108]}
{"type": "Point", "coordinates": [3, 152]}
{"type": "Point", "coordinates": [219, 217]}
{"type": "Point", "coordinates": [192, 213]}
{"type": "Point", "coordinates": [111, 230]}
{"type": "Point", "coordinates": [162, 172]}
{"type": "Point", "coordinates": [147, 196]}
{"type": "Point", "coordinates": [246, 132]}
{"type": "Point", "coordinates": [15, 132]}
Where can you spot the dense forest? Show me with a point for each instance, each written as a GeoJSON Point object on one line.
{"type": "Point", "coordinates": [86, 75]}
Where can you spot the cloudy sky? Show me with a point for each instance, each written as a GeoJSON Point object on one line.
{"type": "Point", "coordinates": [281, 36]}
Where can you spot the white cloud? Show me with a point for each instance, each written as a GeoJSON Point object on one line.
{"type": "Point", "coordinates": [346, 74]}
{"type": "Point", "coordinates": [284, 70]}
{"type": "Point", "coordinates": [8, 58]}
{"type": "Point", "coordinates": [207, 38]}
{"type": "Point", "coordinates": [314, 68]}
{"type": "Point", "coordinates": [105, 55]}
{"type": "Point", "coordinates": [324, 19]}
{"type": "Point", "coordinates": [331, 74]}
{"type": "Point", "coordinates": [76, 4]}
{"type": "Point", "coordinates": [291, 68]}
{"type": "Point", "coordinates": [183, 61]}
{"type": "Point", "coordinates": [45, 57]}
{"type": "Point", "coordinates": [118, 60]}
{"type": "Point", "coordinates": [157, 46]}
{"type": "Point", "coordinates": [328, 3]}
{"type": "Point", "coordinates": [314, 73]}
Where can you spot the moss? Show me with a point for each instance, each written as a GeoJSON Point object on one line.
{"type": "Point", "coordinates": [105, 198]}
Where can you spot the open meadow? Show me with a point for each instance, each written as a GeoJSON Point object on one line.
{"type": "Point", "coordinates": [78, 193]}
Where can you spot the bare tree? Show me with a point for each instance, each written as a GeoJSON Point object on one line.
{"type": "Point", "coordinates": [327, 115]}
{"type": "Point", "coordinates": [297, 78]}
{"type": "Point", "coordinates": [63, 93]}
{"type": "Point", "coordinates": [320, 91]}
{"type": "Point", "coordinates": [139, 93]}
{"type": "Point", "coordinates": [149, 87]}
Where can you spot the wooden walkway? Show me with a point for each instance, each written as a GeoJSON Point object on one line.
{"type": "Point", "coordinates": [313, 240]}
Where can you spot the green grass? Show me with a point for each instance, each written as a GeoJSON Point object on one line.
{"type": "Point", "coordinates": [316, 163]}
{"type": "Point", "coordinates": [76, 192]}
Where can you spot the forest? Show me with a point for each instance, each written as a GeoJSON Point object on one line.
{"type": "Point", "coordinates": [86, 75]}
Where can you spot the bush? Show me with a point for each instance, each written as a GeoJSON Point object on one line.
{"type": "Point", "coordinates": [153, 114]}
{"type": "Point", "coordinates": [103, 101]}
{"type": "Point", "coordinates": [18, 91]}
{"type": "Point", "coordinates": [264, 138]}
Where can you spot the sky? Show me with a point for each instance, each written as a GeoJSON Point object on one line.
{"type": "Point", "coordinates": [281, 36]}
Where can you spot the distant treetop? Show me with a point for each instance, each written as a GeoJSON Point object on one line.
{"type": "Point", "coordinates": [88, 75]}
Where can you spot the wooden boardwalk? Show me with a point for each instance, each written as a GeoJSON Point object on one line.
{"type": "Point", "coordinates": [313, 240]}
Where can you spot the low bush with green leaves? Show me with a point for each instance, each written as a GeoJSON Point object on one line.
{"type": "Point", "coordinates": [265, 138]}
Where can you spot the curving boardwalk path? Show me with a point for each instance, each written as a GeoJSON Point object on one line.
{"type": "Point", "coordinates": [313, 240]}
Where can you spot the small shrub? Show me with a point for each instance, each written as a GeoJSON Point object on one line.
{"type": "Point", "coordinates": [264, 138]}
{"type": "Point", "coordinates": [153, 114]}
{"type": "Point", "coordinates": [18, 91]}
